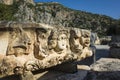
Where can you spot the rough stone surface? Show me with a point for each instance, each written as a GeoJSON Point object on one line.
{"type": "Point", "coordinates": [33, 46]}
{"type": "Point", "coordinates": [106, 64]}
{"type": "Point", "coordinates": [83, 67]}
{"type": "Point", "coordinates": [10, 2]}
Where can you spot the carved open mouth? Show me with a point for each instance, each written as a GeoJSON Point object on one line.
{"type": "Point", "coordinates": [20, 46]}
{"type": "Point", "coordinates": [87, 42]}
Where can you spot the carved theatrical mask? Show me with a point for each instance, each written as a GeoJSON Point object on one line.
{"type": "Point", "coordinates": [85, 39]}
{"type": "Point", "coordinates": [19, 43]}
{"type": "Point", "coordinates": [58, 40]}
{"type": "Point", "coordinates": [75, 40]}
{"type": "Point", "coordinates": [41, 46]}
{"type": "Point", "coordinates": [62, 42]}
{"type": "Point", "coordinates": [52, 41]}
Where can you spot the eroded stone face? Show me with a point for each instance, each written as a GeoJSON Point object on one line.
{"type": "Point", "coordinates": [41, 43]}
{"type": "Point", "coordinates": [85, 38]}
{"type": "Point", "coordinates": [39, 47]}
{"type": "Point", "coordinates": [19, 43]}
{"type": "Point", "coordinates": [58, 40]}
{"type": "Point", "coordinates": [62, 43]}
{"type": "Point", "coordinates": [75, 41]}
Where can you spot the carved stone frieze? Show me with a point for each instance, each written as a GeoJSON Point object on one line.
{"type": "Point", "coordinates": [39, 46]}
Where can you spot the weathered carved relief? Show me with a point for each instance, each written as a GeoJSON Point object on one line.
{"type": "Point", "coordinates": [55, 52]}
{"type": "Point", "coordinates": [58, 41]}
{"type": "Point", "coordinates": [75, 42]}
{"type": "Point", "coordinates": [85, 38]}
{"type": "Point", "coordinates": [8, 65]}
{"type": "Point", "coordinates": [19, 44]}
{"type": "Point", "coordinates": [41, 44]}
{"type": "Point", "coordinates": [38, 46]}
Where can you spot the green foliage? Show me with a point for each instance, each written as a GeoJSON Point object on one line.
{"type": "Point", "coordinates": [7, 11]}
{"type": "Point", "coordinates": [76, 18]}
{"type": "Point", "coordinates": [61, 15]}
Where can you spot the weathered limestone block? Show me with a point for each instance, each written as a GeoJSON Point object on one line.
{"type": "Point", "coordinates": [4, 38]}
{"type": "Point", "coordinates": [28, 47]}
{"type": "Point", "coordinates": [106, 64]}
{"type": "Point", "coordinates": [8, 65]}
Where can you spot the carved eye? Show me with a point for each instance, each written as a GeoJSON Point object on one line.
{"type": "Point", "coordinates": [75, 38]}
{"type": "Point", "coordinates": [62, 37]}
{"type": "Point", "coordinates": [43, 36]}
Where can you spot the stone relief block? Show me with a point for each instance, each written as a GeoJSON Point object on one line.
{"type": "Point", "coordinates": [39, 46]}
{"type": "Point", "coordinates": [19, 43]}
{"type": "Point", "coordinates": [4, 39]}
{"type": "Point", "coordinates": [41, 43]}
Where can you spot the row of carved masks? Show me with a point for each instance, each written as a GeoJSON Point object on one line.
{"type": "Point", "coordinates": [57, 40]}
{"type": "Point", "coordinates": [62, 40]}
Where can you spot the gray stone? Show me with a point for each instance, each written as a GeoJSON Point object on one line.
{"type": "Point", "coordinates": [106, 64]}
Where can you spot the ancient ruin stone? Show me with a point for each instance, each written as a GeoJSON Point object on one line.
{"type": "Point", "coordinates": [106, 64]}
{"type": "Point", "coordinates": [75, 41]}
{"type": "Point", "coordinates": [28, 47]}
